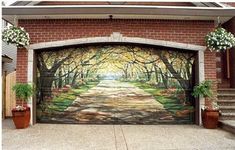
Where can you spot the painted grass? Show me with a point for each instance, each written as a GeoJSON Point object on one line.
{"type": "Point", "coordinates": [64, 100]}
{"type": "Point", "coordinates": [170, 102]}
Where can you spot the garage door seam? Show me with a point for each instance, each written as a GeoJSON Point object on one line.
{"type": "Point", "coordinates": [124, 137]}
{"type": "Point", "coordinates": [115, 138]}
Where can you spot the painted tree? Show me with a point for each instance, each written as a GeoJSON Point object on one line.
{"type": "Point", "coordinates": [169, 60]}
{"type": "Point", "coordinates": [48, 63]}
{"type": "Point", "coordinates": [129, 62]}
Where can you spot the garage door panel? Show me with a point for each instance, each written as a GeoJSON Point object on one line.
{"type": "Point", "coordinates": [115, 84]}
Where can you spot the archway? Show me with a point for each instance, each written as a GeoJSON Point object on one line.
{"type": "Point", "coordinates": [165, 55]}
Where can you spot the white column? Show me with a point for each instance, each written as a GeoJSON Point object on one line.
{"type": "Point", "coordinates": [30, 81]}
{"type": "Point", "coordinates": [201, 78]}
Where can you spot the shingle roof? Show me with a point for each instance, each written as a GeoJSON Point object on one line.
{"type": "Point", "coordinates": [6, 59]}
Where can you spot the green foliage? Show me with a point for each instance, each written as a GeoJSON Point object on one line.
{"type": "Point", "coordinates": [203, 89]}
{"type": "Point", "coordinates": [23, 91]}
{"type": "Point", "coordinates": [64, 100]}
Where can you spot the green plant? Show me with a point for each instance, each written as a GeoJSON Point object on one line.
{"type": "Point", "coordinates": [220, 40]}
{"type": "Point", "coordinates": [203, 89]}
{"type": "Point", "coordinates": [23, 92]}
{"type": "Point", "coordinates": [16, 35]}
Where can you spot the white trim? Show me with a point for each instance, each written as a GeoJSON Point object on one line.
{"type": "Point", "coordinates": [10, 18]}
{"type": "Point", "coordinates": [33, 3]}
{"type": "Point", "coordinates": [118, 6]}
{"type": "Point", "coordinates": [201, 77]}
{"type": "Point", "coordinates": [117, 10]}
{"type": "Point", "coordinates": [116, 37]}
{"type": "Point", "coordinates": [30, 81]}
{"type": "Point", "coordinates": [221, 4]}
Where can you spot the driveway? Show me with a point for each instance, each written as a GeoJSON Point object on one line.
{"type": "Point", "coordinates": [115, 137]}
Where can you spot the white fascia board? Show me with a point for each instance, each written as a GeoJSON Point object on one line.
{"type": "Point", "coordinates": [117, 9]}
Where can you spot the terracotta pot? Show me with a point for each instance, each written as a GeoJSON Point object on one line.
{"type": "Point", "coordinates": [210, 118]}
{"type": "Point", "coordinates": [21, 119]}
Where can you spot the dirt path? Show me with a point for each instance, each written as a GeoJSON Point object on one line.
{"type": "Point", "coordinates": [115, 102]}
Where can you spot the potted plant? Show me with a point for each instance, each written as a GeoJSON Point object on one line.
{"type": "Point", "coordinates": [16, 35]}
{"type": "Point", "coordinates": [220, 40]}
{"type": "Point", "coordinates": [21, 113]}
{"type": "Point", "coordinates": [210, 114]}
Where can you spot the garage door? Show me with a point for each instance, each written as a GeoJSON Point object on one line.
{"type": "Point", "coordinates": [115, 84]}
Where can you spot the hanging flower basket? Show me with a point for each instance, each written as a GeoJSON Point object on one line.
{"type": "Point", "coordinates": [16, 35]}
{"type": "Point", "coordinates": [220, 40]}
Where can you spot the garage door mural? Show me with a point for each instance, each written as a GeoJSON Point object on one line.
{"type": "Point", "coordinates": [115, 84]}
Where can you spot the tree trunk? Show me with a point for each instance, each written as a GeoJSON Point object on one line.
{"type": "Point", "coordinates": [156, 73]}
{"type": "Point", "coordinates": [60, 81]}
{"type": "Point", "coordinates": [147, 73]}
{"type": "Point", "coordinates": [74, 79]}
{"type": "Point", "coordinates": [67, 78]}
{"type": "Point", "coordinates": [82, 74]}
{"type": "Point", "coordinates": [164, 78]}
{"type": "Point", "coordinates": [55, 84]}
{"type": "Point", "coordinates": [47, 76]}
{"type": "Point", "coordinates": [46, 79]}
{"type": "Point", "coordinates": [183, 83]}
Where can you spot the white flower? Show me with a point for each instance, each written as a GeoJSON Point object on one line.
{"type": "Point", "coordinates": [16, 35]}
{"type": "Point", "coordinates": [220, 39]}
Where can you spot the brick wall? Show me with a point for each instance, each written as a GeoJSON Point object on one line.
{"type": "Point", "coordinates": [210, 65]}
{"type": "Point", "coordinates": [191, 32]}
{"type": "Point", "coordinates": [180, 31]}
{"type": "Point", "coordinates": [230, 4]}
{"type": "Point", "coordinates": [210, 71]}
{"type": "Point", "coordinates": [21, 66]}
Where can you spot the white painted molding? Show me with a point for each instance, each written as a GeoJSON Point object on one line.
{"type": "Point", "coordinates": [201, 73]}
{"type": "Point", "coordinates": [116, 37]}
{"type": "Point", "coordinates": [30, 81]}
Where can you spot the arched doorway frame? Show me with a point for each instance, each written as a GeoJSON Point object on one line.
{"type": "Point", "coordinates": [116, 37]}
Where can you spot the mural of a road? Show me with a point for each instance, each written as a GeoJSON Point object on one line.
{"type": "Point", "coordinates": [114, 84]}
{"type": "Point", "coordinates": [115, 102]}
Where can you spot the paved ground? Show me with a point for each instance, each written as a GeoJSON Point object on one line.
{"type": "Point", "coordinates": [115, 137]}
{"type": "Point", "coordinates": [114, 102]}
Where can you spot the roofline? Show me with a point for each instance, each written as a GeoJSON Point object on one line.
{"type": "Point", "coordinates": [117, 9]}
{"type": "Point", "coordinates": [6, 59]}
{"type": "Point", "coordinates": [30, 3]}
{"type": "Point", "coordinates": [25, 3]}
{"type": "Point", "coordinates": [14, 13]}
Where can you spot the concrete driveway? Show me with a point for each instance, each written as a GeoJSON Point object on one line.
{"type": "Point", "coordinates": [115, 137]}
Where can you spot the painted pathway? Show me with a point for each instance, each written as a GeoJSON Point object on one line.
{"type": "Point", "coordinates": [115, 102]}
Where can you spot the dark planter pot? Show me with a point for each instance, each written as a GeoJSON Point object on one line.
{"type": "Point", "coordinates": [210, 118]}
{"type": "Point", "coordinates": [21, 118]}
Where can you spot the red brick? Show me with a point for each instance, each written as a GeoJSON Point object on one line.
{"type": "Point", "coordinates": [190, 32]}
